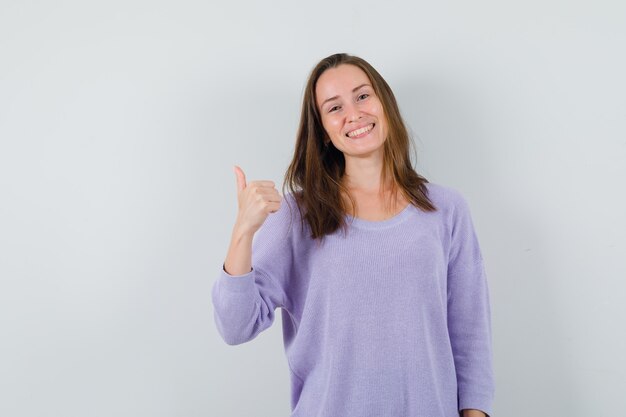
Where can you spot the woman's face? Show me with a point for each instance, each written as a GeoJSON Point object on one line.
{"type": "Point", "coordinates": [352, 114]}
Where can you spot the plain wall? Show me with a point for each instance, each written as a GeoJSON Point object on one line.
{"type": "Point", "coordinates": [120, 123]}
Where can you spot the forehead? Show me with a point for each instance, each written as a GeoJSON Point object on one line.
{"type": "Point", "coordinates": [339, 81]}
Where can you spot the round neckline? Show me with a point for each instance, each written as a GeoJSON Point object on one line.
{"type": "Point", "coordinates": [377, 224]}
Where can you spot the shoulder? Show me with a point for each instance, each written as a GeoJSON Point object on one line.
{"type": "Point", "coordinates": [446, 198]}
{"type": "Point", "coordinates": [289, 207]}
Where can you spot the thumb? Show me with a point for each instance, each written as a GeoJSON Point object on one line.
{"type": "Point", "coordinates": [241, 178]}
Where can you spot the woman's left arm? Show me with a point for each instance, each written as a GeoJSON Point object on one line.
{"type": "Point", "coordinates": [469, 315]}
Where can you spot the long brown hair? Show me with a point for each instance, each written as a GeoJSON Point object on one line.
{"type": "Point", "coordinates": [315, 172]}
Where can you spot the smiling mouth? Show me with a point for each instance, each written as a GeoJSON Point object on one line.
{"type": "Point", "coordinates": [361, 131]}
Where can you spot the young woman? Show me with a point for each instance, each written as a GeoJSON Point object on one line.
{"type": "Point", "coordinates": [384, 296]}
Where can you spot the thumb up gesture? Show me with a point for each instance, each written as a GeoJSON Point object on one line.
{"type": "Point", "coordinates": [256, 200]}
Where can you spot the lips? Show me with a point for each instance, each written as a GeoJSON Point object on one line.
{"type": "Point", "coordinates": [361, 130]}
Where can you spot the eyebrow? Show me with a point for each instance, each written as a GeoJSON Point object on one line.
{"type": "Point", "coordinates": [334, 97]}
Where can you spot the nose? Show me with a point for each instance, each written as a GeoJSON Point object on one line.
{"type": "Point", "coordinates": [353, 113]}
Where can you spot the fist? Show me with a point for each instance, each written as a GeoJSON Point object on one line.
{"type": "Point", "coordinates": [256, 200]}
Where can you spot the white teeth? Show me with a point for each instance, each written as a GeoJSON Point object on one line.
{"type": "Point", "coordinates": [361, 130]}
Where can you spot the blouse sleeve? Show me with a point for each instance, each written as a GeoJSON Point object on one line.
{"type": "Point", "coordinates": [244, 305]}
{"type": "Point", "coordinates": [469, 314]}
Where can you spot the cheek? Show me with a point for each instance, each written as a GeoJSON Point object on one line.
{"type": "Point", "coordinates": [377, 109]}
{"type": "Point", "coordinates": [380, 114]}
{"type": "Point", "coordinates": [382, 121]}
{"type": "Point", "coordinates": [332, 125]}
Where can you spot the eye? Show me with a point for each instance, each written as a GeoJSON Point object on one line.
{"type": "Point", "coordinates": [332, 108]}
{"type": "Point", "coordinates": [364, 94]}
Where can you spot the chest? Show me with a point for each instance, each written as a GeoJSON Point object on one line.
{"type": "Point", "coordinates": [372, 208]}
{"type": "Point", "coordinates": [380, 269]}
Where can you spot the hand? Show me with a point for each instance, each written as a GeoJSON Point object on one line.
{"type": "Point", "coordinates": [473, 413]}
{"type": "Point", "coordinates": [256, 201]}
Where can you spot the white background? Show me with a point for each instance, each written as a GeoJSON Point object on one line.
{"type": "Point", "coordinates": [120, 123]}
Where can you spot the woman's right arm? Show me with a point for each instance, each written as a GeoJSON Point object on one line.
{"type": "Point", "coordinates": [239, 257]}
{"type": "Point", "coordinates": [255, 201]}
{"type": "Point", "coordinates": [246, 295]}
